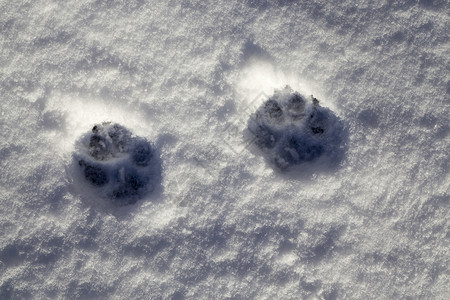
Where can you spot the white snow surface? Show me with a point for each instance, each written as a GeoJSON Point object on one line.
{"type": "Point", "coordinates": [223, 224]}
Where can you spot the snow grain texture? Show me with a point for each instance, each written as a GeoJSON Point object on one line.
{"type": "Point", "coordinates": [225, 225]}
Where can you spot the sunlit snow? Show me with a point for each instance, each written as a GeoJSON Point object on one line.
{"type": "Point", "coordinates": [221, 221]}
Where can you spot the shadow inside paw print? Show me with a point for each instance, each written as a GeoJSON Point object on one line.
{"type": "Point", "coordinates": [122, 166]}
{"type": "Point", "coordinates": [291, 129]}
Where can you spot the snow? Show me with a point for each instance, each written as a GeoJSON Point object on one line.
{"type": "Point", "coordinates": [223, 222]}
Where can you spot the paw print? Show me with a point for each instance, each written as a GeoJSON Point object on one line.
{"type": "Point", "coordinates": [120, 164]}
{"type": "Point", "coordinates": [292, 129]}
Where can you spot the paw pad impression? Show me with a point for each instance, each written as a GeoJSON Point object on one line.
{"type": "Point", "coordinates": [120, 165]}
{"type": "Point", "coordinates": [292, 129]}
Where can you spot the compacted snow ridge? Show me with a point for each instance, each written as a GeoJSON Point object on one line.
{"type": "Point", "coordinates": [152, 149]}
